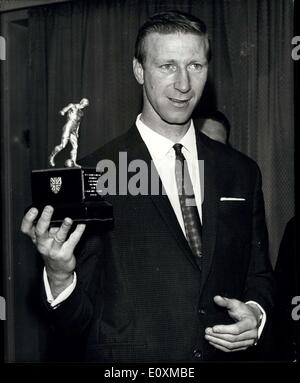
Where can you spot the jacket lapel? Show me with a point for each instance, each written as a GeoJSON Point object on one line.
{"type": "Point", "coordinates": [210, 204]}
{"type": "Point", "coordinates": [138, 150]}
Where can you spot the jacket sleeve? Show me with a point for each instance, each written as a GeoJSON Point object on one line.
{"type": "Point", "coordinates": [260, 283]}
{"type": "Point", "coordinates": [73, 316]}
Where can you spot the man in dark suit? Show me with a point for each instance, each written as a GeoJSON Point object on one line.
{"type": "Point", "coordinates": [184, 275]}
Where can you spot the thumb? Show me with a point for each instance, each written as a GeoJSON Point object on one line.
{"type": "Point", "coordinates": [228, 303]}
{"type": "Point", "coordinates": [232, 305]}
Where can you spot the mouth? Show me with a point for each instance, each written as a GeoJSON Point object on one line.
{"type": "Point", "coordinates": [178, 102]}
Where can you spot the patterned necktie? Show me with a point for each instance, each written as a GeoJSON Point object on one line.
{"type": "Point", "coordinates": [191, 219]}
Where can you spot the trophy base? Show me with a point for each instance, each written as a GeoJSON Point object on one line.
{"type": "Point", "coordinates": [95, 214]}
{"type": "Point", "coordinates": [73, 193]}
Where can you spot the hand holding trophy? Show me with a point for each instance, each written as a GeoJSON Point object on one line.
{"type": "Point", "coordinates": [71, 191]}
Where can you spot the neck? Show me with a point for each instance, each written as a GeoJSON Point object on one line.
{"type": "Point", "coordinates": [173, 132]}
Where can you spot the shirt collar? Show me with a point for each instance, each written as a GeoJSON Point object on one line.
{"type": "Point", "coordinates": [159, 145]}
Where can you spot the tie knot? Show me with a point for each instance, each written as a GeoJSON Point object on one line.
{"type": "Point", "coordinates": [177, 148]}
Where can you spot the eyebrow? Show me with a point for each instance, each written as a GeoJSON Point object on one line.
{"type": "Point", "coordinates": [169, 61]}
{"type": "Point", "coordinates": [172, 61]}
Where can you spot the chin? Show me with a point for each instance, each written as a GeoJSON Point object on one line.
{"type": "Point", "coordinates": [177, 120]}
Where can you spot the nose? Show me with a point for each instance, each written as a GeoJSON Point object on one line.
{"type": "Point", "coordinates": [182, 81]}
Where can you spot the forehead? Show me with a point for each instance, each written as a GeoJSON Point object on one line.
{"type": "Point", "coordinates": [174, 46]}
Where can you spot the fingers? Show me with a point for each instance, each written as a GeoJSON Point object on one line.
{"type": "Point", "coordinates": [230, 304]}
{"type": "Point", "coordinates": [222, 348]}
{"type": "Point", "coordinates": [234, 329]}
{"type": "Point", "coordinates": [247, 335]}
{"type": "Point", "coordinates": [52, 231]}
{"type": "Point", "coordinates": [42, 231]}
{"type": "Point", "coordinates": [61, 234]}
{"type": "Point", "coordinates": [43, 223]}
{"type": "Point", "coordinates": [27, 223]}
{"type": "Point", "coordinates": [76, 235]}
{"type": "Point", "coordinates": [229, 346]}
{"type": "Point", "coordinates": [51, 242]}
{"type": "Point", "coordinates": [235, 337]}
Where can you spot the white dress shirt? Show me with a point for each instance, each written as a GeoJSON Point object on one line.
{"type": "Point", "coordinates": [163, 156]}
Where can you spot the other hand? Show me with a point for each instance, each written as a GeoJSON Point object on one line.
{"type": "Point", "coordinates": [238, 336]}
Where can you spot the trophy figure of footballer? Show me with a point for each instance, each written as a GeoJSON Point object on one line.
{"type": "Point", "coordinates": [70, 132]}
{"type": "Point", "coordinates": [72, 190]}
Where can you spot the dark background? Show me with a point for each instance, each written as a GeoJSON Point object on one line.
{"type": "Point", "coordinates": [59, 53]}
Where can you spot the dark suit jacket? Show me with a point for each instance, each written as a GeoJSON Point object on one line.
{"type": "Point", "coordinates": [141, 295]}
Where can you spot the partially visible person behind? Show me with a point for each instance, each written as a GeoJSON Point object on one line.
{"type": "Point", "coordinates": [216, 126]}
{"type": "Point", "coordinates": [287, 315]}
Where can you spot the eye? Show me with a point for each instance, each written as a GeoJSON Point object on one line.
{"type": "Point", "coordinates": [195, 67]}
{"type": "Point", "coordinates": [168, 67]}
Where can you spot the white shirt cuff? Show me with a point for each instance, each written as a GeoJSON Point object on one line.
{"type": "Point", "coordinates": [264, 318]}
{"type": "Point", "coordinates": [62, 296]}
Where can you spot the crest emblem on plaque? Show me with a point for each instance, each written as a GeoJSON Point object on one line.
{"type": "Point", "coordinates": [55, 184]}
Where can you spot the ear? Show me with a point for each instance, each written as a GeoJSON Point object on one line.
{"type": "Point", "coordinates": [138, 71]}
